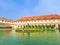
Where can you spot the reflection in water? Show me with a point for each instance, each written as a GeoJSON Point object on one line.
{"type": "Point", "coordinates": [8, 32]}
{"type": "Point", "coordinates": [29, 38]}
{"type": "Point", "coordinates": [59, 30]}
{"type": "Point", "coordinates": [5, 33]}
{"type": "Point", "coordinates": [28, 35]}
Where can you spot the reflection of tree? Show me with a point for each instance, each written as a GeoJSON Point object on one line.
{"type": "Point", "coordinates": [26, 41]}
{"type": "Point", "coordinates": [28, 35]}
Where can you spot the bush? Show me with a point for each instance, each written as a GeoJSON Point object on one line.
{"type": "Point", "coordinates": [18, 29]}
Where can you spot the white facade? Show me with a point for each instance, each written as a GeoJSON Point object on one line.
{"type": "Point", "coordinates": [33, 22]}
{"type": "Point", "coordinates": [38, 22]}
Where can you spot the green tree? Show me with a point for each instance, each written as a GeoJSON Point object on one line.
{"type": "Point", "coordinates": [40, 27]}
{"type": "Point", "coordinates": [48, 27]}
{"type": "Point", "coordinates": [36, 26]}
{"type": "Point", "coordinates": [52, 26]}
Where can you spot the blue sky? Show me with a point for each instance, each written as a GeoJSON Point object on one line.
{"type": "Point", "coordinates": [15, 9]}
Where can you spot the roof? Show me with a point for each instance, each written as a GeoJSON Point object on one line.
{"type": "Point", "coordinates": [4, 19]}
{"type": "Point", "coordinates": [45, 17]}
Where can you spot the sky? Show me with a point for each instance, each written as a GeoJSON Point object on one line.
{"type": "Point", "coordinates": [15, 9]}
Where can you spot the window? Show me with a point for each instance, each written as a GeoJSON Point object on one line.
{"type": "Point", "coordinates": [43, 20]}
{"type": "Point", "coordinates": [40, 21]}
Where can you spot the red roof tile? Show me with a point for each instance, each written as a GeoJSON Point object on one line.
{"type": "Point", "coordinates": [45, 17]}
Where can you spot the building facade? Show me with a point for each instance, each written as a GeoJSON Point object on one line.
{"type": "Point", "coordinates": [52, 19]}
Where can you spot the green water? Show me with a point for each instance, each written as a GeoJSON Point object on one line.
{"type": "Point", "coordinates": [29, 38]}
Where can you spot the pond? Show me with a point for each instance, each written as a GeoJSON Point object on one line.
{"type": "Point", "coordinates": [29, 38]}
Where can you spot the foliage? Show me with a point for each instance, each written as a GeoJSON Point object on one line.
{"type": "Point", "coordinates": [38, 27]}
{"type": "Point", "coordinates": [18, 29]}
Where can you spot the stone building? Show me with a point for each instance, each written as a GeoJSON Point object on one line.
{"type": "Point", "coordinates": [52, 19]}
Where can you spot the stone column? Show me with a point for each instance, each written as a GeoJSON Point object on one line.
{"type": "Point", "coordinates": [56, 26]}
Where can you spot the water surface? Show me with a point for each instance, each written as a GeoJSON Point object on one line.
{"type": "Point", "coordinates": [29, 38]}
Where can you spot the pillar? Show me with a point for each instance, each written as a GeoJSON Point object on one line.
{"type": "Point", "coordinates": [56, 26]}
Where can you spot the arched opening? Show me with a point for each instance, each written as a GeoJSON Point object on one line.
{"type": "Point", "coordinates": [59, 27]}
